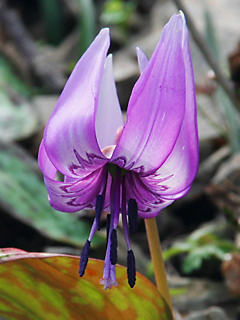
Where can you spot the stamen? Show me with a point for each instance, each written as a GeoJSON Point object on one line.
{"type": "Point", "coordinates": [84, 258]}
{"type": "Point", "coordinates": [124, 213]}
{"type": "Point", "coordinates": [125, 230]}
{"type": "Point", "coordinates": [132, 215]}
{"type": "Point", "coordinates": [99, 209]}
{"type": "Point", "coordinates": [131, 268]}
{"type": "Point", "coordinates": [108, 224]}
{"type": "Point", "coordinates": [113, 248]}
{"type": "Point", "coordinates": [85, 250]}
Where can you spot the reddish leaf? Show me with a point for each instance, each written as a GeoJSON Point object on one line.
{"type": "Point", "coordinates": [47, 286]}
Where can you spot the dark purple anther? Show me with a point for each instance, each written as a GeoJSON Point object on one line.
{"type": "Point", "coordinates": [84, 258]}
{"type": "Point", "coordinates": [132, 215]}
{"type": "Point", "coordinates": [131, 268]}
{"type": "Point", "coordinates": [99, 209]}
{"type": "Point", "coordinates": [108, 220]}
{"type": "Point", "coordinates": [113, 248]}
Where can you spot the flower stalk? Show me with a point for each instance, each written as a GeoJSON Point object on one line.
{"type": "Point", "coordinates": [157, 260]}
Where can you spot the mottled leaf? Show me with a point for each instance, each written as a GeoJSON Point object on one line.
{"type": "Point", "coordinates": [47, 286]}
{"type": "Point", "coordinates": [17, 118]}
{"type": "Point", "coordinates": [23, 194]}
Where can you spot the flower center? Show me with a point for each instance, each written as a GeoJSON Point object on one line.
{"type": "Point", "coordinates": [119, 204]}
{"type": "Point", "coordinates": [108, 151]}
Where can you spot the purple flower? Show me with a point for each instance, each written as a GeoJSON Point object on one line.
{"type": "Point", "coordinates": [136, 168]}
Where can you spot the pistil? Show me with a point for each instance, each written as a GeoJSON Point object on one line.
{"type": "Point", "coordinates": [109, 277]}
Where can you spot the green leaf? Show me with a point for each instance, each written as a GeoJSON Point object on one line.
{"type": "Point", "coordinates": [24, 195]}
{"type": "Point", "coordinates": [47, 286]}
{"type": "Point", "coordinates": [205, 243]}
{"type": "Point", "coordinates": [177, 248]}
{"type": "Point", "coordinates": [194, 259]}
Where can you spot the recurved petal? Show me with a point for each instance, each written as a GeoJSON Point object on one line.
{"type": "Point", "coordinates": [74, 194]}
{"type": "Point", "coordinates": [70, 137]}
{"type": "Point", "coordinates": [84, 195]}
{"type": "Point", "coordinates": [142, 59]}
{"type": "Point", "coordinates": [108, 115]}
{"type": "Point", "coordinates": [157, 104]}
{"type": "Point", "coordinates": [149, 203]}
{"type": "Point", "coordinates": [176, 196]}
{"type": "Point", "coordinates": [182, 164]}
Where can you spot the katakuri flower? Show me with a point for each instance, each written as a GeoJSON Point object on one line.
{"type": "Point", "coordinates": [136, 168]}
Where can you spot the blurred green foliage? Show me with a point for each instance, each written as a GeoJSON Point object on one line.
{"type": "Point", "coordinates": [202, 244]}
{"type": "Point", "coordinates": [53, 18]}
{"type": "Point", "coordinates": [117, 13]}
{"type": "Point", "coordinates": [8, 78]}
{"type": "Point", "coordinates": [86, 23]}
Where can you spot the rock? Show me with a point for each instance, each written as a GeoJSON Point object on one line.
{"type": "Point", "coordinates": [231, 272]}
{"type": "Point", "coordinates": [213, 313]}
{"type": "Point", "coordinates": [224, 188]}
{"type": "Point", "coordinates": [199, 294]}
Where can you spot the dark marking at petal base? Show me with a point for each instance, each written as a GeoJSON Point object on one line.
{"type": "Point", "coordinates": [131, 269]}
{"type": "Point", "coordinates": [71, 203]}
{"type": "Point", "coordinates": [132, 215]}
{"type": "Point", "coordinates": [74, 167]}
{"type": "Point", "coordinates": [91, 159]}
{"type": "Point", "coordinates": [65, 188]}
{"type": "Point", "coordinates": [99, 209]}
{"type": "Point", "coordinates": [113, 248]}
{"type": "Point", "coordinates": [84, 258]}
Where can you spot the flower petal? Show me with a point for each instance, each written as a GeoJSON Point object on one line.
{"type": "Point", "coordinates": [182, 163]}
{"type": "Point", "coordinates": [70, 196]}
{"type": "Point", "coordinates": [70, 138]}
{"type": "Point", "coordinates": [176, 196]}
{"type": "Point", "coordinates": [156, 106]}
{"type": "Point", "coordinates": [149, 203]}
{"type": "Point", "coordinates": [142, 59]}
{"type": "Point", "coordinates": [108, 115]}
